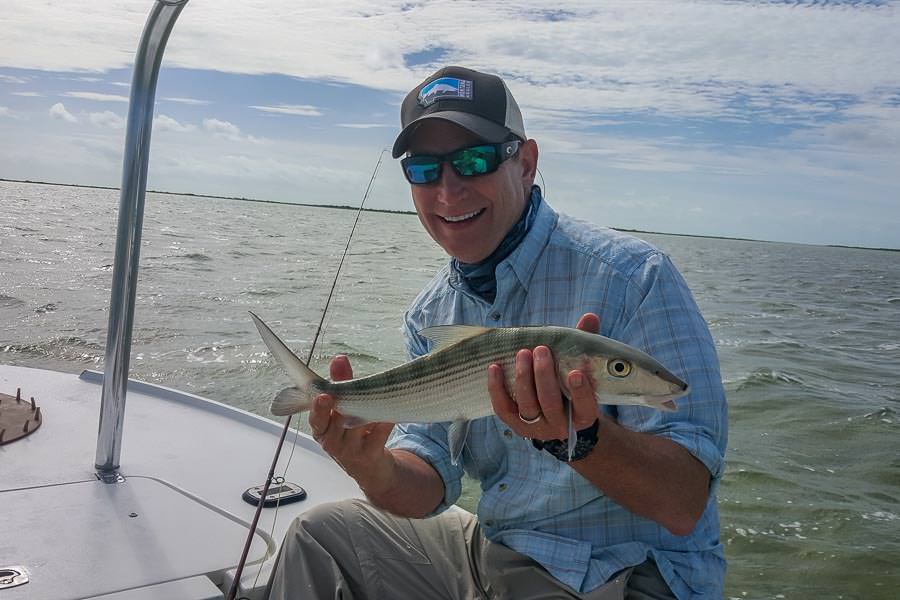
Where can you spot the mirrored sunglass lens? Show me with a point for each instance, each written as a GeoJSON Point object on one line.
{"type": "Point", "coordinates": [423, 171]}
{"type": "Point", "coordinates": [477, 160]}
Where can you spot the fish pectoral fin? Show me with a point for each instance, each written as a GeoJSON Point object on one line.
{"type": "Point", "coordinates": [444, 336]}
{"type": "Point", "coordinates": [456, 438]}
{"type": "Point", "coordinates": [572, 438]}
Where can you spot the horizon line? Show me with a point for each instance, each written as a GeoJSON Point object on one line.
{"type": "Point", "coordinates": [408, 212]}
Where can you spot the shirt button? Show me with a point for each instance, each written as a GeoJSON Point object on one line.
{"type": "Point", "coordinates": [507, 433]}
{"type": "Point", "coordinates": [502, 487]}
{"type": "Point", "coordinates": [496, 316]}
{"type": "Point", "coordinates": [489, 523]}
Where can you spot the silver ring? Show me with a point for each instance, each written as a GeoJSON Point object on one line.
{"type": "Point", "coordinates": [531, 421]}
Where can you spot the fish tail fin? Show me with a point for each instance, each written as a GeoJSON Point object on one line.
{"type": "Point", "coordinates": [289, 401]}
{"type": "Point", "coordinates": [293, 399]}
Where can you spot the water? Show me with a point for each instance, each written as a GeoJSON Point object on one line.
{"type": "Point", "coordinates": [809, 341]}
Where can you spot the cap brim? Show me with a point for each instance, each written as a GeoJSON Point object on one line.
{"type": "Point", "coordinates": [486, 130]}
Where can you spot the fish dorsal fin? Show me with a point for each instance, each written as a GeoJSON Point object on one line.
{"type": "Point", "coordinates": [444, 336]}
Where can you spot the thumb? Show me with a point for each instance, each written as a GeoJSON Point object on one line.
{"type": "Point", "coordinates": [340, 368]}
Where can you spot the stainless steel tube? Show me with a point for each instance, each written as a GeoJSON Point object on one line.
{"type": "Point", "coordinates": [128, 235]}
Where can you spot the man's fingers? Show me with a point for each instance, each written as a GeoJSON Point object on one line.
{"type": "Point", "coordinates": [581, 390]}
{"type": "Point", "coordinates": [326, 424]}
{"type": "Point", "coordinates": [354, 449]}
{"type": "Point", "coordinates": [320, 415]}
{"type": "Point", "coordinates": [526, 399]}
{"type": "Point", "coordinates": [547, 387]}
{"type": "Point", "coordinates": [581, 394]}
{"type": "Point", "coordinates": [589, 322]}
{"type": "Point", "coordinates": [503, 405]}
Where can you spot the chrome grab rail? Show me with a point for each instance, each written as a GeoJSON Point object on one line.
{"type": "Point", "coordinates": [128, 235]}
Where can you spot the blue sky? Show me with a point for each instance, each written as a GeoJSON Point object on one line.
{"type": "Point", "coordinates": [760, 119]}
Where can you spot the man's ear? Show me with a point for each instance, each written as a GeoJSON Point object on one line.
{"type": "Point", "coordinates": [528, 158]}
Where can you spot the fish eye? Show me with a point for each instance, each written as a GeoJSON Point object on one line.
{"type": "Point", "coordinates": [618, 367]}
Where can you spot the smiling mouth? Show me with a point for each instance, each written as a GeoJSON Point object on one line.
{"type": "Point", "coordinates": [465, 217]}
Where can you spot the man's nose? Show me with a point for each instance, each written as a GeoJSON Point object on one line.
{"type": "Point", "coordinates": [451, 187]}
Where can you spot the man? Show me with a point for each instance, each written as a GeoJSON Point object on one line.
{"type": "Point", "coordinates": [633, 515]}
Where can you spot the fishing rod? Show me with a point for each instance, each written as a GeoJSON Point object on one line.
{"type": "Point", "coordinates": [235, 583]}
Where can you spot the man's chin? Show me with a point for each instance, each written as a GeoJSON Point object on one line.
{"type": "Point", "coordinates": [464, 251]}
{"type": "Point", "coordinates": [469, 258]}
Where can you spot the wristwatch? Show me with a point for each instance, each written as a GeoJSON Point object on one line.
{"type": "Point", "coordinates": [559, 449]}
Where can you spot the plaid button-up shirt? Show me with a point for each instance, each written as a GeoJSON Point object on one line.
{"type": "Point", "coordinates": [535, 504]}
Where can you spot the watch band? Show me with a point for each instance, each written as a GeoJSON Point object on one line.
{"type": "Point", "coordinates": [559, 449]}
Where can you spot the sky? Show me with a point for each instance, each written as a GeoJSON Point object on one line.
{"type": "Point", "coordinates": [760, 119]}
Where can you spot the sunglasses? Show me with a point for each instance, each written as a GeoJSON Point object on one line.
{"type": "Point", "coordinates": [466, 162]}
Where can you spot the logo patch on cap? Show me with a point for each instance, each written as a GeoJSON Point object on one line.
{"type": "Point", "coordinates": [445, 88]}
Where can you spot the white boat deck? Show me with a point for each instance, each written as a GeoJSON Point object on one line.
{"type": "Point", "coordinates": [176, 527]}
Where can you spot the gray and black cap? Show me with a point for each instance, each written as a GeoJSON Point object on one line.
{"type": "Point", "coordinates": [478, 102]}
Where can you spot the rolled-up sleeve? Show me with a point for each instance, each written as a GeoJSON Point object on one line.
{"type": "Point", "coordinates": [662, 318]}
{"type": "Point", "coordinates": [428, 441]}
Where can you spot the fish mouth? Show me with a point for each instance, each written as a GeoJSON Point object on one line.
{"type": "Point", "coordinates": [680, 387]}
{"type": "Point", "coordinates": [463, 217]}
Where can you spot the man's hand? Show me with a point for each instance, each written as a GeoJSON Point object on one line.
{"type": "Point", "coordinates": [537, 411]}
{"type": "Point", "coordinates": [360, 450]}
{"type": "Point", "coordinates": [648, 474]}
{"type": "Point", "coordinates": [397, 481]}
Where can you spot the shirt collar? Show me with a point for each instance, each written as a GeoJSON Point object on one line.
{"type": "Point", "coordinates": [523, 259]}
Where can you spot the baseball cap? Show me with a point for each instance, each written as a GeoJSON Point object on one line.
{"type": "Point", "coordinates": [478, 102]}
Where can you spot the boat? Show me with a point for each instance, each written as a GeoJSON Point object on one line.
{"type": "Point", "coordinates": [164, 511]}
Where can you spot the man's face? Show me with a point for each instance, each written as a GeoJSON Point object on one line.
{"type": "Point", "coordinates": [469, 216]}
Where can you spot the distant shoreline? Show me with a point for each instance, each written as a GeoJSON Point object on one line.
{"type": "Point", "coordinates": [408, 212]}
{"type": "Point", "coordinates": [239, 198]}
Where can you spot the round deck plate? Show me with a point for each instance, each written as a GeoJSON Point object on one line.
{"type": "Point", "coordinates": [18, 418]}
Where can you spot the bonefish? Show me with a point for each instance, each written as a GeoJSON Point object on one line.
{"type": "Point", "coordinates": [450, 383]}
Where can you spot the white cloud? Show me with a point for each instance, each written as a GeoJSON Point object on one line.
{"type": "Point", "coordinates": [788, 98]}
{"type": "Point", "coordinates": [11, 78]}
{"type": "Point", "coordinates": [365, 125]}
{"type": "Point", "coordinates": [225, 128]}
{"type": "Point", "coordinates": [5, 112]}
{"type": "Point", "coordinates": [58, 111]}
{"type": "Point", "coordinates": [302, 110]}
{"type": "Point", "coordinates": [96, 96]}
{"type": "Point", "coordinates": [166, 123]}
{"type": "Point", "coordinates": [189, 101]}
{"type": "Point", "coordinates": [106, 118]}
{"type": "Point", "coordinates": [651, 46]}
{"type": "Point", "coordinates": [735, 61]}
{"type": "Point", "coordinates": [29, 94]}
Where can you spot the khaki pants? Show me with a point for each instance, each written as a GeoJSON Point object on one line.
{"type": "Point", "coordinates": [350, 550]}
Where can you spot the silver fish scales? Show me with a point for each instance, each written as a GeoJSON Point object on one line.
{"type": "Point", "coordinates": [450, 383]}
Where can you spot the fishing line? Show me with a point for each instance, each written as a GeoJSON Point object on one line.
{"type": "Point", "coordinates": [232, 592]}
